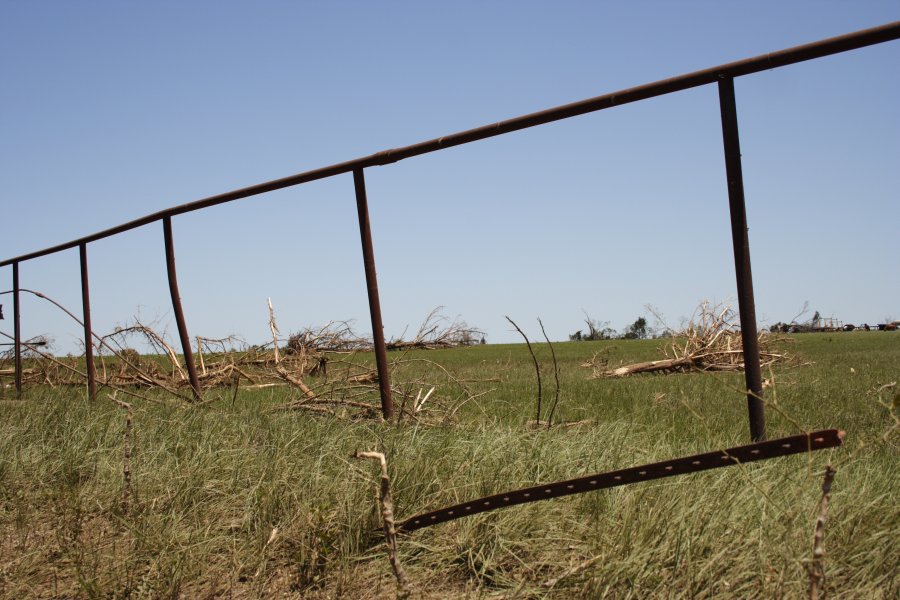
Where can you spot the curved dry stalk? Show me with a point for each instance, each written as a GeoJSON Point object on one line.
{"type": "Point", "coordinates": [537, 369]}
{"type": "Point", "coordinates": [555, 374]}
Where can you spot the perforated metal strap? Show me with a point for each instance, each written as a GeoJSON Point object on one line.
{"type": "Point", "coordinates": [797, 444]}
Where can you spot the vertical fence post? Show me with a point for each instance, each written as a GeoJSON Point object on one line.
{"type": "Point", "coordinates": [741, 243]}
{"type": "Point", "coordinates": [17, 329]}
{"type": "Point", "coordinates": [86, 317]}
{"type": "Point", "coordinates": [365, 234]}
{"type": "Point", "coordinates": [176, 306]}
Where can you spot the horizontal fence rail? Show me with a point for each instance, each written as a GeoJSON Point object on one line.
{"type": "Point", "coordinates": [797, 444]}
{"type": "Point", "coordinates": [722, 75]}
{"type": "Point", "coordinates": [764, 62]}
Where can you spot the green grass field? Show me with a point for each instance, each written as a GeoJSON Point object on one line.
{"type": "Point", "coordinates": [211, 485]}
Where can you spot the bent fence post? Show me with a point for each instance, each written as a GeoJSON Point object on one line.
{"type": "Point", "coordinates": [176, 306]}
{"type": "Point", "coordinates": [365, 234]}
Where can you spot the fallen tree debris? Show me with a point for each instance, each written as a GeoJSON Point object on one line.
{"type": "Point", "coordinates": [710, 342]}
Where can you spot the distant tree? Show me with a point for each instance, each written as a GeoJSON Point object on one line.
{"type": "Point", "coordinates": [597, 330]}
{"type": "Point", "coordinates": [637, 330]}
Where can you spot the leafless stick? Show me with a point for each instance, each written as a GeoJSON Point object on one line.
{"type": "Point", "coordinates": [387, 518]}
{"type": "Point", "coordinates": [237, 384]}
{"type": "Point", "coordinates": [555, 374]}
{"type": "Point", "coordinates": [200, 354]}
{"type": "Point", "coordinates": [817, 568]}
{"type": "Point", "coordinates": [128, 392]}
{"type": "Point", "coordinates": [127, 443]}
{"type": "Point", "coordinates": [420, 403]}
{"type": "Point", "coordinates": [537, 368]}
{"type": "Point", "coordinates": [311, 395]}
{"type": "Point", "coordinates": [274, 329]}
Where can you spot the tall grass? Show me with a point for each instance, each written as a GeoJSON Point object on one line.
{"type": "Point", "coordinates": [212, 485]}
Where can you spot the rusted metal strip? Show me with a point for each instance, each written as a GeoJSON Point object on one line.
{"type": "Point", "coordinates": [368, 250]}
{"type": "Point", "coordinates": [741, 246]}
{"type": "Point", "coordinates": [764, 62]}
{"type": "Point", "coordinates": [797, 444]}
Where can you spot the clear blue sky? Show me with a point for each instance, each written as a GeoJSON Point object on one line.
{"type": "Point", "coordinates": [112, 110]}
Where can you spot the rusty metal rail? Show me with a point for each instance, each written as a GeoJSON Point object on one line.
{"type": "Point", "coordinates": [763, 62]}
{"type": "Point", "coordinates": [722, 75]}
{"type": "Point", "coordinates": [797, 444]}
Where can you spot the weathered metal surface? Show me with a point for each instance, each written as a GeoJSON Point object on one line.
{"type": "Point", "coordinates": [365, 235]}
{"type": "Point", "coordinates": [17, 328]}
{"type": "Point", "coordinates": [86, 318]}
{"type": "Point", "coordinates": [741, 245]}
{"type": "Point", "coordinates": [797, 444]}
{"type": "Point", "coordinates": [176, 306]}
{"type": "Point", "coordinates": [765, 62]}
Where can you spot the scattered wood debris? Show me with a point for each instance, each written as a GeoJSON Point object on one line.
{"type": "Point", "coordinates": [710, 342]}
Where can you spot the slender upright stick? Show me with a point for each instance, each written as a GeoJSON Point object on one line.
{"type": "Point", "coordinates": [387, 521]}
{"type": "Point", "coordinates": [817, 568]}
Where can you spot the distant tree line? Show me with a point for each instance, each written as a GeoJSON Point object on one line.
{"type": "Point", "coordinates": [597, 330]}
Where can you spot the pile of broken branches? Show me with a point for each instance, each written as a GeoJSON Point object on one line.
{"type": "Point", "coordinates": [710, 342]}
{"type": "Point", "coordinates": [329, 367]}
{"type": "Point", "coordinates": [437, 331]}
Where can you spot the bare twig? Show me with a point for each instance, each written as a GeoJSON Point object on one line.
{"type": "Point", "coordinates": [555, 374]}
{"type": "Point", "coordinates": [310, 395]}
{"type": "Point", "coordinates": [274, 329]}
{"type": "Point", "coordinates": [537, 368]}
{"type": "Point", "coordinates": [387, 518]}
{"type": "Point", "coordinates": [127, 444]}
{"type": "Point", "coordinates": [816, 567]}
{"type": "Point", "coordinates": [420, 403]}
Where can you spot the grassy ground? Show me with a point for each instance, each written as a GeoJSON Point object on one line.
{"type": "Point", "coordinates": [212, 485]}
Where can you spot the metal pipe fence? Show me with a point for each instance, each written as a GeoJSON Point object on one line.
{"type": "Point", "coordinates": [723, 76]}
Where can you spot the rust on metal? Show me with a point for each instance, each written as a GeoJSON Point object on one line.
{"type": "Point", "coordinates": [176, 306]}
{"type": "Point", "coordinates": [741, 246]}
{"type": "Point", "coordinates": [17, 328]}
{"type": "Point", "coordinates": [86, 318]}
{"type": "Point", "coordinates": [797, 444]}
{"type": "Point", "coordinates": [764, 62]}
{"type": "Point", "coordinates": [365, 235]}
